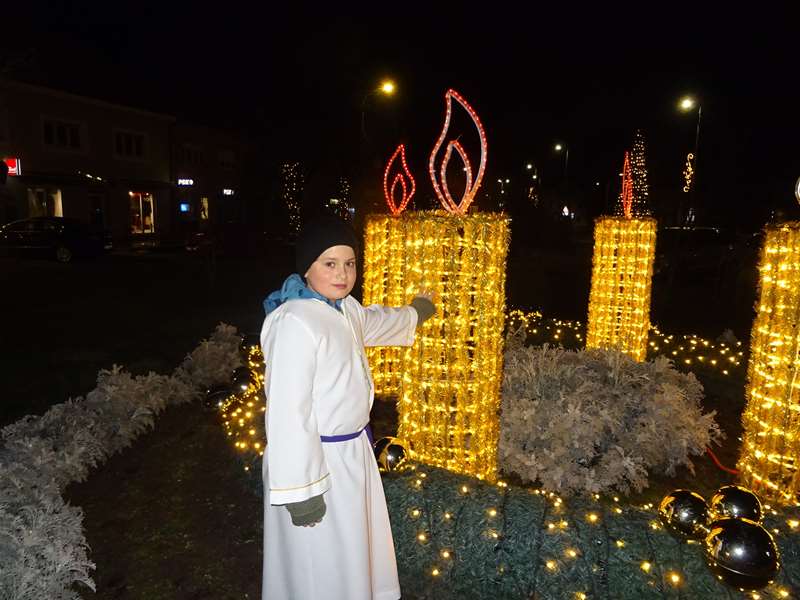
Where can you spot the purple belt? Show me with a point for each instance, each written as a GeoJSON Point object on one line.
{"type": "Point", "coordinates": [347, 436]}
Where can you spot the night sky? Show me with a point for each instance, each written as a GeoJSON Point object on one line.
{"type": "Point", "coordinates": [297, 78]}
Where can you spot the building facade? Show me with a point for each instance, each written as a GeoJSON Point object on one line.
{"type": "Point", "coordinates": [145, 177]}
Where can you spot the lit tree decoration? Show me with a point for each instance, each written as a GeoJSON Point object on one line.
{"type": "Point", "coordinates": [688, 173]}
{"type": "Point", "coordinates": [641, 193]}
{"type": "Point", "coordinates": [634, 198]}
{"type": "Point", "coordinates": [622, 273]}
{"type": "Point", "coordinates": [449, 381]}
{"type": "Point", "coordinates": [439, 179]}
{"type": "Point", "coordinates": [400, 178]}
{"type": "Point", "coordinates": [771, 420]}
{"type": "Point", "coordinates": [291, 192]}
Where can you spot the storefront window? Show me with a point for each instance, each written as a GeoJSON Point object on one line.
{"type": "Point", "coordinates": [203, 208]}
{"type": "Point", "coordinates": [142, 212]}
{"type": "Point", "coordinates": [45, 202]}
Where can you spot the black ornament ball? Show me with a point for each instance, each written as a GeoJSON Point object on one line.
{"type": "Point", "coordinates": [215, 396]}
{"type": "Point", "coordinates": [736, 502]}
{"type": "Point", "coordinates": [391, 455]}
{"type": "Point", "coordinates": [241, 379]}
{"type": "Point", "coordinates": [684, 513]}
{"type": "Point", "coordinates": [742, 553]}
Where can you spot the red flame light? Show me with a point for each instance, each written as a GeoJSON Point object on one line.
{"type": "Point", "coordinates": [440, 180]}
{"type": "Point", "coordinates": [627, 188]}
{"type": "Point", "coordinates": [399, 179]}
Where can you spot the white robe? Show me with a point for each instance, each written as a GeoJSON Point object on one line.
{"type": "Point", "coordinates": [318, 382]}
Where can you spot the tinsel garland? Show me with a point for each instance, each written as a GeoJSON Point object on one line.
{"type": "Point", "coordinates": [43, 551]}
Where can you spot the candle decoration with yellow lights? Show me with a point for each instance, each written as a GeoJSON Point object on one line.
{"type": "Point", "coordinates": [622, 272]}
{"type": "Point", "coordinates": [449, 381]}
{"type": "Point", "coordinates": [771, 420]}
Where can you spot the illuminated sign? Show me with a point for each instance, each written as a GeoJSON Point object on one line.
{"type": "Point", "coordinates": [185, 181]}
{"type": "Point", "coordinates": [14, 166]}
{"type": "Point", "coordinates": [184, 207]}
{"type": "Point", "coordinates": [227, 192]}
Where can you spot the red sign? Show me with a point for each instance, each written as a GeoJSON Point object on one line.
{"type": "Point", "coordinates": [14, 166]}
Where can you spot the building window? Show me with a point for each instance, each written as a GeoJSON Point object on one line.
{"type": "Point", "coordinates": [142, 212]}
{"type": "Point", "coordinates": [45, 202]}
{"type": "Point", "coordinates": [62, 135]}
{"type": "Point", "coordinates": [191, 155]}
{"type": "Point", "coordinates": [204, 208]}
{"type": "Point", "coordinates": [227, 159]}
{"type": "Point", "coordinates": [130, 145]}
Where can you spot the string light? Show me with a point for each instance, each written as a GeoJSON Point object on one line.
{"type": "Point", "coordinates": [439, 179]}
{"type": "Point", "coordinates": [688, 173]}
{"type": "Point", "coordinates": [622, 270]}
{"type": "Point", "coordinates": [771, 419]}
{"type": "Point", "coordinates": [400, 179]}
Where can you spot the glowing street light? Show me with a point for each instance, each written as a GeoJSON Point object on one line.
{"type": "Point", "coordinates": [388, 87]}
{"type": "Point", "coordinates": [558, 147]}
{"type": "Point", "coordinates": [687, 103]}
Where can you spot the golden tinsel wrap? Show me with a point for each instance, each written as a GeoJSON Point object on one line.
{"type": "Point", "coordinates": [771, 420]}
{"type": "Point", "coordinates": [449, 381]}
{"type": "Point", "coordinates": [622, 273]}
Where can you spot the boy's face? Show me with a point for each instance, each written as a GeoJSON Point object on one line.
{"type": "Point", "coordinates": [333, 274]}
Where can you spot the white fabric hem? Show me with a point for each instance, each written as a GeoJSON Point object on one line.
{"type": "Point", "coordinates": [279, 497]}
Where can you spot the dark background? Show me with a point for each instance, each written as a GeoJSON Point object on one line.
{"type": "Point", "coordinates": [295, 77]}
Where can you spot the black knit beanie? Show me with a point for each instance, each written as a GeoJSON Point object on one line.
{"type": "Point", "coordinates": [319, 235]}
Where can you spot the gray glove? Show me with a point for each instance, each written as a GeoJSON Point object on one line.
{"type": "Point", "coordinates": [307, 512]}
{"type": "Point", "coordinates": [424, 307]}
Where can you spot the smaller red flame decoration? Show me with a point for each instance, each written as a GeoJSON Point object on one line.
{"type": "Point", "coordinates": [627, 188]}
{"type": "Point", "coordinates": [399, 180]}
{"type": "Point", "coordinates": [439, 179]}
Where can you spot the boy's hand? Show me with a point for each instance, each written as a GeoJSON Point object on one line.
{"type": "Point", "coordinates": [423, 304]}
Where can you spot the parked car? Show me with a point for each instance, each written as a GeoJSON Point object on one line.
{"type": "Point", "coordinates": [59, 237]}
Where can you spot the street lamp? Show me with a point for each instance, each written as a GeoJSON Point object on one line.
{"type": "Point", "coordinates": [387, 88]}
{"type": "Point", "coordinates": [565, 149]}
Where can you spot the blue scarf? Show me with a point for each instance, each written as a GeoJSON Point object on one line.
{"type": "Point", "coordinates": [292, 288]}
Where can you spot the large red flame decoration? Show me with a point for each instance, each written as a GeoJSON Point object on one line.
{"type": "Point", "coordinates": [627, 188]}
{"type": "Point", "coordinates": [399, 179]}
{"type": "Point", "coordinates": [439, 179]}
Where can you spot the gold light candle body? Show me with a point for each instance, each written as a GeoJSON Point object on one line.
{"type": "Point", "coordinates": [622, 273]}
{"type": "Point", "coordinates": [449, 381]}
{"type": "Point", "coordinates": [771, 419]}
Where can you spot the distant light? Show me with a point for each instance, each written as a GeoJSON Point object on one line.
{"type": "Point", "coordinates": [529, 166]}
{"type": "Point", "coordinates": [499, 181]}
{"type": "Point", "coordinates": [508, 181]}
{"type": "Point", "coordinates": [14, 166]}
{"type": "Point", "coordinates": [333, 201]}
{"type": "Point", "coordinates": [687, 103]}
{"type": "Point", "coordinates": [536, 177]}
{"type": "Point", "coordinates": [597, 183]}
{"type": "Point", "coordinates": [185, 182]}
{"type": "Point", "coordinates": [559, 147]}
{"type": "Point", "coordinates": [565, 211]}
{"type": "Point", "coordinates": [227, 192]}
{"type": "Point", "coordinates": [387, 87]}
{"type": "Point", "coordinates": [184, 207]}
